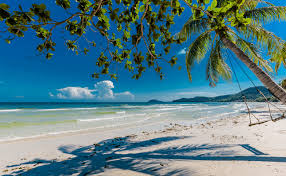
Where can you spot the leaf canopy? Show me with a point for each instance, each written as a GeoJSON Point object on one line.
{"type": "Point", "coordinates": [138, 35]}
{"type": "Point", "coordinates": [241, 21]}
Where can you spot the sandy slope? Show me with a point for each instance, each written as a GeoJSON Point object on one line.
{"type": "Point", "coordinates": [217, 148]}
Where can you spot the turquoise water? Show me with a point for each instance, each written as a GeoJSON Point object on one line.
{"type": "Point", "coordinates": [19, 120]}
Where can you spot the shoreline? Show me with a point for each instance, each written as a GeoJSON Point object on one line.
{"type": "Point", "coordinates": [79, 124]}
{"type": "Point", "coordinates": [119, 126]}
{"type": "Point", "coordinates": [203, 146]}
{"type": "Point", "coordinates": [72, 132]}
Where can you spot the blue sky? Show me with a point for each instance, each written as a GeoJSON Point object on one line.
{"type": "Point", "coordinates": [24, 76]}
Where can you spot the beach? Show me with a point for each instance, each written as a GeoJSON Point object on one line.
{"type": "Point", "coordinates": [143, 88]}
{"type": "Point", "coordinates": [209, 147]}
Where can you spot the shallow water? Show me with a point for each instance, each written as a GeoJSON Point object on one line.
{"type": "Point", "coordinates": [19, 120]}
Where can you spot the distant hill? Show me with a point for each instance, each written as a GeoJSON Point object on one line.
{"type": "Point", "coordinates": [251, 94]}
{"type": "Point", "coordinates": [155, 101]}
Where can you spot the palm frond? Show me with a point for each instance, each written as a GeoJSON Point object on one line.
{"type": "Point", "coordinates": [217, 66]}
{"type": "Point", "coordinates": [197, 50]}
{"type": "Point", "coordinates": [252, 4]}
{"type": "Point", "coordinates": [264, 38]}
{"type": "Point", "coordinates": [266, 14]}
{"type": "Point", "coordinates": [248, 4]}
{"type": "Point", "coordinates": [279, 60]}
{"type": "Point", "coordinates": [193, 26]}
{"type": "Point", "coordinates": [250, 50]}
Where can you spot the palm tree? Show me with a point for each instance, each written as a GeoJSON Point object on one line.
{"type": "Point", "coordinates": [235, 25]}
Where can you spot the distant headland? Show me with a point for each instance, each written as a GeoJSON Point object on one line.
{"type": "Point", "coordinates": [251, 94]}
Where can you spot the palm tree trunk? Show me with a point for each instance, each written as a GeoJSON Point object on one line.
{"type": "Point", "coordinates": [268, 82]}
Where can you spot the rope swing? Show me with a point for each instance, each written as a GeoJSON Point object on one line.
{"type": "Point", "coordinates": [250, 114]}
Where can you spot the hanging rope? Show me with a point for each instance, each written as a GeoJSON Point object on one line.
{"type": "Point", "coordinates": [266, 99]}
{"type": "Point", "coordinates": [243, 96]}
{"type": "Point", "coordinates": [261, 93]}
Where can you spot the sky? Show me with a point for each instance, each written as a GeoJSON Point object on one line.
{"type": "Point", "coordinates": [25, 76]}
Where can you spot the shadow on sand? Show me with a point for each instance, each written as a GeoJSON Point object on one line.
{"type": "Point", "coordinates": [125, 154]}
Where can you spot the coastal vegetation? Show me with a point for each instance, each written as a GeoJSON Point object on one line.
{"type": "Point", "coordinates": [155, 101]}
{"type": "Point", "coordinates": [250, 94]}
{"type": "Point", "coordinates": [137, 34]}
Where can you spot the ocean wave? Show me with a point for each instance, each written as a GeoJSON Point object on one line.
{"type": "Point", "coordinates": [83, 108]}
{"type": "Point", "coordinates": [64, 109]}
{"type": "Point", "coordinates": [130, 106]}
{"type": "Point", "coordinates": [170, 108]}
{"type": "Point", "coordinates": [15, 138]}
{"type": "Point", "coordinates": [10, 110]}
{"type": "Point", "coordinates": [110, 118]}
{"type": "Point", "coordinates": [24, 124]}
{"type": "Point", "coordinates": [238, 105]}
{"type": "Point", "coordinates": [54, 133]}
{"type": "Point", "coordinates": [207, 108]}
{"type": "Point", "coordinates": [120, 112]}
{"type": "Point", "coordinates": [99, 119]}
{"type": "Point", "coordinates": [46, 110]}
{"type": "Point", "coordinates": [139, 114]}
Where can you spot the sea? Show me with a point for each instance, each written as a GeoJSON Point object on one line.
{"type": "Point", "coordinates": [25, 120]}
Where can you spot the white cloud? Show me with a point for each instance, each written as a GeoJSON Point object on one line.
{"type": "Point", "coordinates": [75, 93]}
{"type": "Point", "coordinates": [102, 91]}
{"type": "Point", "coordinates": [51, 94]}
{"type": "Point", "coordinates": [182, 51]}
{"type": "Point", "coordinates": [124, 96]}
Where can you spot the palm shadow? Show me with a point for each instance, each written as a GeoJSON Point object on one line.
{"type": "Point", "coordinates": [136, 156]}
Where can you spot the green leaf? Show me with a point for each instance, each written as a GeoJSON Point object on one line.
{"type": "Point", "coordinates": [206, 1]}
{"type": "Point", "coordinates": [167, 49]}
{"type": "Point", "coordinates": [213, 4]}
{"type": "Point", "coordinates": [197, 51]}
{"type": "Point", "coordinates": [8, 41]}
{"type": "Point", "coordinates": [267, 14]}
{"type": "Point", "coordinates": [41, 12]}
{"type": "Point", "coordinates": [216, 66]}
{"type": "Point", "coordinates": [64, 3]}
{"type": "Point", "coordinates": [4, 6]}
{"type": "Point", "coordinates": [84, 5]}
{"type": "Point", "coordinates": [49, 55]}
{"type": "Point", "coordinates": [142, 8]}
{"type": "Point", "coordinates": [85, 51]}
{"type": "Point", "coordinates": [95, 75]}
{"type": "Point", "coordinates": [192, 27]}
{"type": "Point", "coordinates": [4, 14]}
{"type": "Point", "coordinates": [247, 21]}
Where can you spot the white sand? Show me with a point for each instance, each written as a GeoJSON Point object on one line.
{"type": "Point", "coordinates": [219, 148]}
